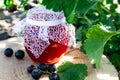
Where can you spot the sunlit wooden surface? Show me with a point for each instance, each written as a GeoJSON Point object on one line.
{"type": "Point", "coordinates": [14, 69]}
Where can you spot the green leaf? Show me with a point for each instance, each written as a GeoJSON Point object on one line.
{"type": "Point", "coordinates": [99, 8]}
{"type": "Point", "coordinates": [97, 36]}
{"type": "Point", "coordinates": [71, 8]}
{"type": "Point", "coordinates": [113, 7]}
{"type": "Point", "coordinates": [109, 24]}
{"type": "Point", "coordinates": [70, 71]}
{"type": "Point", "coordinates": [9, 4]}
{"type": "Point", "coordinates": [56, 5]}
{"type": "Point", "coordinates": [23, 3]}
{"type": "Point", "coordinates": [80, 32]}
{"type": "Point", "coordinates": [109, 1]}
{"type": "Point", "coordinates": [78, 8]}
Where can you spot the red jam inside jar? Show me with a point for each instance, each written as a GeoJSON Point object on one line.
{"type": "Point", "coordinates": [45, 44]}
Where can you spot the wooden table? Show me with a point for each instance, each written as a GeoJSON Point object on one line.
{"type": "Point", "coordinates": [14, 69]}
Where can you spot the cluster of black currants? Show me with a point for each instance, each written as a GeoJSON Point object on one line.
{"type": "Point", "coordinates": [29, 6]}
{"type": "Point", "coordinates": [19, 54]}
{"type": "Point", "coordinates": [38, 71]}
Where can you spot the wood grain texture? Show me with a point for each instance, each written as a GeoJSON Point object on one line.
{"type": "Point", "coordinates": [14, 69]}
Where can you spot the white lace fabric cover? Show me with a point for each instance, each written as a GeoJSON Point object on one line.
{"type": "Point", "coordinates": [40, 26]}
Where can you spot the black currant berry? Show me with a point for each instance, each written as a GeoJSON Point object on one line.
{"type": "Point", "coordinates": [54, 76]}
{"type": "Point", "coordinates": [8, 52]}
{"type": "Point", "coordinates": [27, 7]}
{"type": "Point", "coordinates": [14, 8]}
{"type": "Point", "coordinates": [51, 68]}
{"type": "Point", "coordinates": [36, 74]}
{"type": "Point", "coordinates": [31, 68]}
{"type": "Point", "coordinates": [42, 67]}
{"type": "Point", "coordinates": [35, 1]}
{"type": "Point", "coordinates": [19, 54]}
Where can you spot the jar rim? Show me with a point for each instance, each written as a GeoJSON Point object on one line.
{"type": "Point", "coordinates": [40, 13]}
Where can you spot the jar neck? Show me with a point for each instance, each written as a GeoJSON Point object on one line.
{"type": "Point", "coordinates": [45, 23]}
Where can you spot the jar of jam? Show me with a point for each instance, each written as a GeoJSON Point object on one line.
{"type": "Point", "coordinates": [45, 35]}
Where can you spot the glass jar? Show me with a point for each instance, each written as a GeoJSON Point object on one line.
{"type": "Point", "coordinates": [45, 35]}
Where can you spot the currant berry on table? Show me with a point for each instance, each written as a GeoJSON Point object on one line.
{"type": "Point", "coordinates": [54, 76]}
{"type": "Point", "coordinates": [30, 68]}
{"type": "Point", "coordinates": [51, 68]}
{"type": "Point", "coordinates": [8, 52]}
{"type": "Point", "coordinates": [36, 74]}
{"type": "Point", "coordinates": [19, 54]}
{"type": "Point", "coordinates": [42, 67]}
